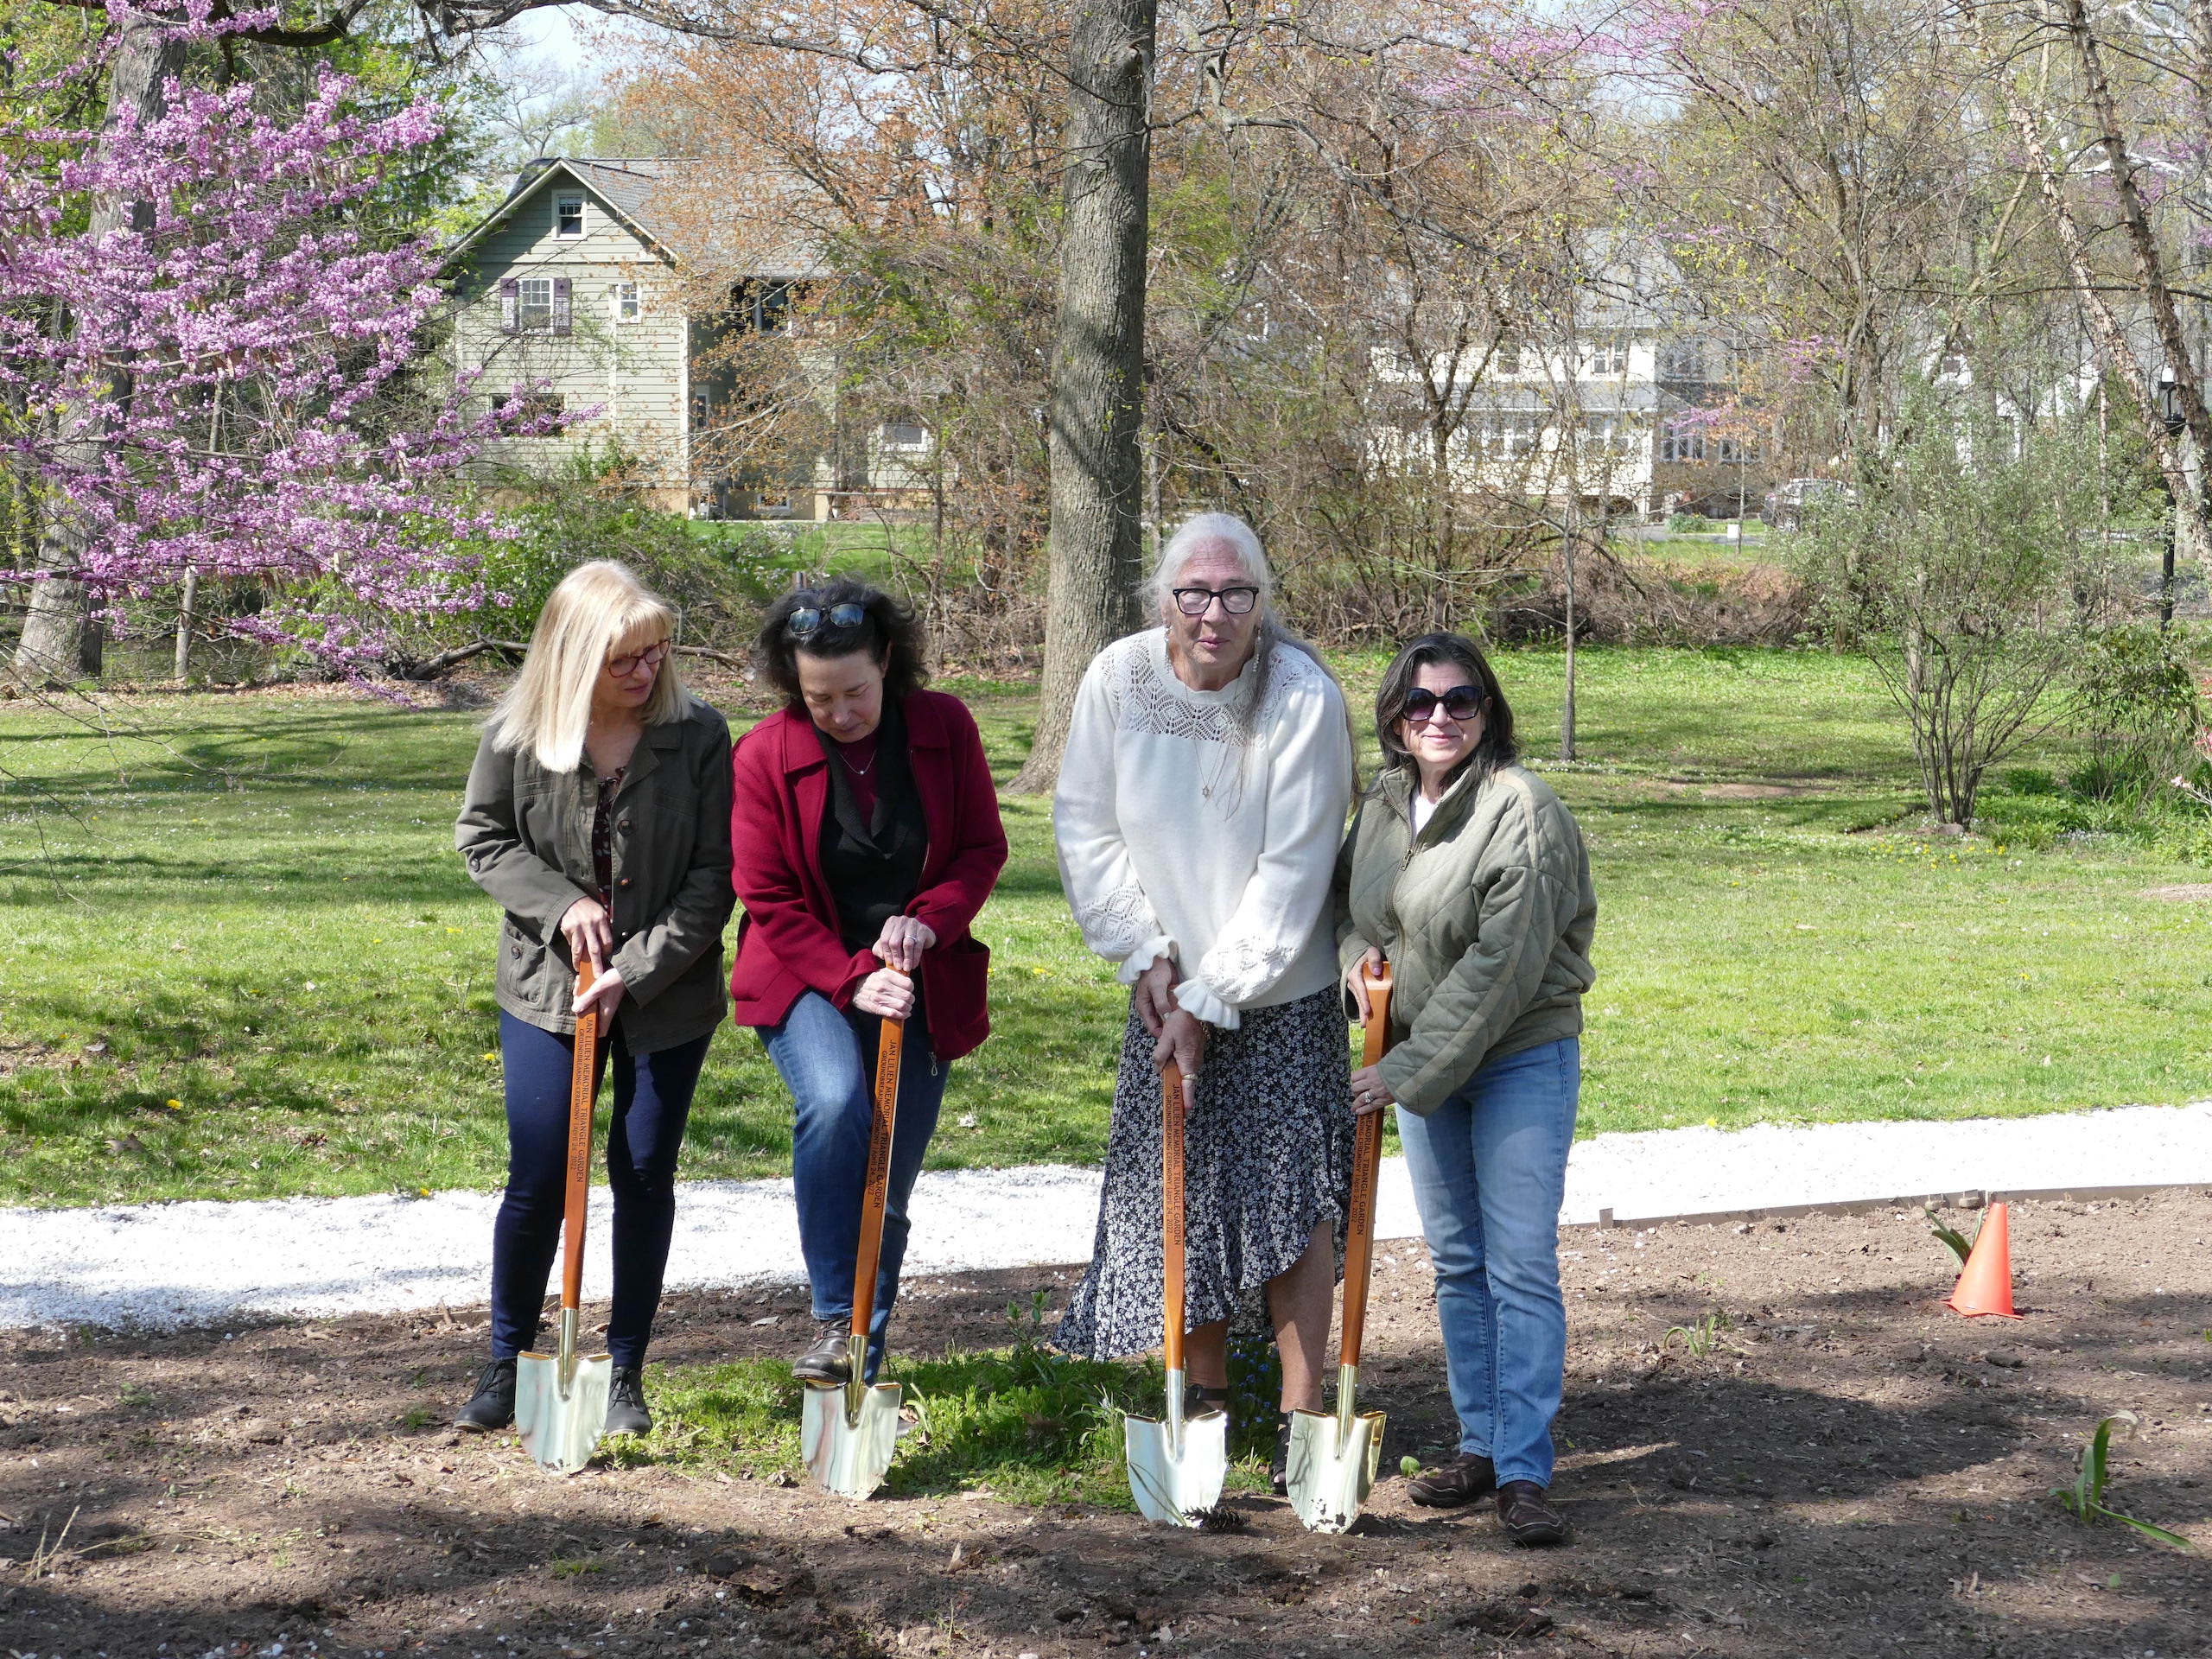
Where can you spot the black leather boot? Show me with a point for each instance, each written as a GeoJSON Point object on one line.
{"type": "Point", "coordinates": [626, 1402]}
{"type": "Point", "coordinates": [492, 1405]}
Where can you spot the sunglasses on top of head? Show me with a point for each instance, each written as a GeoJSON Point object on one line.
{"type": "Point", "coordinates": [1461, 704]}
{"type": "Point", "coordinates": [807, 620]}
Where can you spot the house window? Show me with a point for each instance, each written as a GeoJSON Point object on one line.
{"type": "Point", "coordinates": [1507, 361]}
{"type": "Point", "coordinates": [628, 308]}
{"type": "Point", "coordinates": [1609, 433]}
{"type": "Point", "coordinates": [1682, 359]}
{"type": "Point", "coordinates": [905, 437]}
{"type": "Point", "coordinates": [534, 305]}
{"type": "Point", "coordinates": [1608, 356]}
{"type": "Point", "coordinates": [1682, 446]}
{"type": "Point", "coordinates": [541, 410]}
{"type": "Point", "coordinates": [569, 215]}
{"type": "Point", "coordinates": [1511, 436]}
{"type": "Point", "coordinates": [763, 307]}
{"type": "Point", "coordinates": [700, 409]}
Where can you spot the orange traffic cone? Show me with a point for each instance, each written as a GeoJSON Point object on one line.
{"type": "Point", "coordinates": [1985, 1289]}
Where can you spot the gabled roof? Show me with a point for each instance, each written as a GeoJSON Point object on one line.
{"type": "Point", "coordinates": [660, 202]}
{"type": "Point", "coordinates": [624, 188]}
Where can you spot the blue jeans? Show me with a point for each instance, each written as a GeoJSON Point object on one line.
{"type": "Point", "coordinates": [1489, 1169]}
{"type": "Point", "coordinates": [828, 1062]}
{"type": "Point", "coordinates": [645, 1132]}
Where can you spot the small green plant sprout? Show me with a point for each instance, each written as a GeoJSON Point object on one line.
{"type": "Point", "coordinates": [1961, 1246]}
{"type": "Point", "coordinates": [1701, 1340]}
{"type": "Point", "coordinates": [1409, 1465]}
{"type": "Point", "coordinates": [2085, 1498]}
{"type": "Point", "coordinates": [573, 1567]}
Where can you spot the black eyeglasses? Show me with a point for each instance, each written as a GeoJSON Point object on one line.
{"type": "Point", "coordinates": [1461, 704]}
{"type": "Point", "coordinates": [807, 620]}
{"type": "Point", "coordinates": [1195, 601]}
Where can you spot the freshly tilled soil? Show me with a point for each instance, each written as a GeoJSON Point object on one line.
{"type": "Point", "coordinates": [1834, 1465]}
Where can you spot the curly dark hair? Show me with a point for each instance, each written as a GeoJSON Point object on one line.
{"type": "Point", "coordinates": [887, 629]}
{"type": "Point", "coordinates": [1495, 749]}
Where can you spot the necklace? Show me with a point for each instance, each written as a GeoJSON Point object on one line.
{"type": "Point", "coordinates": [857, 772]}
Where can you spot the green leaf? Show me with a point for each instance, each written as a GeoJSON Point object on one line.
{"type": "Point", "coordinates": [2158, 1533]}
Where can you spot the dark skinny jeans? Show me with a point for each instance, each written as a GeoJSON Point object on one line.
{"type": "Point", "coordinates": [652, 1100]}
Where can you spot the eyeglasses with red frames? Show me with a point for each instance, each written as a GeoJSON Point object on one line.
{"type": "Point", "coordinates": [1460, 704]}
{"type": "Point", "coordinates": [652, 657]}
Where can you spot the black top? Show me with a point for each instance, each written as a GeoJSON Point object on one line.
{"type": "Point", "coordinates": [872, 865]}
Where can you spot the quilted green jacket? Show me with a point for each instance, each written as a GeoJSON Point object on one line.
{"type": "Point", "coordinates": [1486, 918]}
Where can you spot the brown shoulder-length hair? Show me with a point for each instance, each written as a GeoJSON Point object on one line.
{"type": "Point", "coordinates": [886, 626]}
{"type": "Point", "coordinates": [1495, 749]}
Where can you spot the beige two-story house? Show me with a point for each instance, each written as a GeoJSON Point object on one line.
{"type": "Point", "coordinates": [698, 366]}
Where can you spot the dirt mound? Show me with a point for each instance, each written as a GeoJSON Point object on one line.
{"type": "Point", "coordinates": [1775, 1442]}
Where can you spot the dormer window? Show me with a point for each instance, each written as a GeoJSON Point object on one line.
{"type": "Point", "coordinates": [569, 214]}
{"type": "Point", "coordinates": [627, 306]}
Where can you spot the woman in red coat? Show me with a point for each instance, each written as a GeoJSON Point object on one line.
{"type": "Point", "coordinates": [866, 834]}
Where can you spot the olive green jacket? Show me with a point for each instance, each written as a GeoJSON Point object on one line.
{"type": "Point", "coordinates": [526, 836]}
{"type": "Point", "coordinates": [1486, 918]}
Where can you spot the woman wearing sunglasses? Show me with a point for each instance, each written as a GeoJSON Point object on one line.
{"type": "Point", "coordinates": [867, 836]}
{"type": "Point", "coordinates": [598, 814]}
{"type": "Point", "coordinates": [1201, 801]}
{"type": "Point", "coordinates": [1468, 873]}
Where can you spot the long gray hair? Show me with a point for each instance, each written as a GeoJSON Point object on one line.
{"type": "Point", "coordinates": [1227, 530]}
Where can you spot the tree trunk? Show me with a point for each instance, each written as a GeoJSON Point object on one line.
{"type": "Point", "coordinates": [60, 640]}
{"type": "Point", "coordinates": [1097, 405]}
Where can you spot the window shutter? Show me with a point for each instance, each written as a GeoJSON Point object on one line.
{"type": "Point", "coordinates": [561, 303]}
{"type": "Point", "coordinates": [510, 298]}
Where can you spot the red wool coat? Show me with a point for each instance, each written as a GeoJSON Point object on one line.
{"type": "Point", "coordinates": [787, 943]}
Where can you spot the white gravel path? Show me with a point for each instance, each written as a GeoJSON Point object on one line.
{"type": "Point", "coordinates": [169, 1265]}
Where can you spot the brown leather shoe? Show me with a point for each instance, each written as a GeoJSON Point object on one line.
{"type": "Point", "coordinates": [1528, 1515]}
{"type": "Point", "coordinates": [1466, 1478]}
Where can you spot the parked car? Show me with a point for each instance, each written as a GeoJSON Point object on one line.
{"type": "Point", "coordinates": [1785, 504]}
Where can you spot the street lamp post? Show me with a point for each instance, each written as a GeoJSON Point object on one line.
{"type": "Point", "coordinates": [2169, 411]}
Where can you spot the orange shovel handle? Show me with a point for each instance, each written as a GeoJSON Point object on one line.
{"type": "Point", "coordinates": [1171, 1212]}
{"type": "Point", "coordinates": [888, 1052]}
{"type": "Point", "coordinates": [583, 1095]}
{"type": "Point", "coordinates": [1366, 1171]}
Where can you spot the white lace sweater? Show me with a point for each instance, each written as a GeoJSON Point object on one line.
{"type": "Point", "coordinates": [1174, 839]}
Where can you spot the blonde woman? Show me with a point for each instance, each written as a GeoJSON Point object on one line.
{"type": "Point", "coordinates": [598, 814]}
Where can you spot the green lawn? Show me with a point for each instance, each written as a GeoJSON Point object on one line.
{"type": "Point", "coordinates": [243, 960]}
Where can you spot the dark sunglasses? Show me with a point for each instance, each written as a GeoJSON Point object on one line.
{"type": "Point", "coordinates": [807, 620]}
{"type": "Point", "coordinates": [1461, 704]}
{"type": "Point", "coordinates": [1195, 601]}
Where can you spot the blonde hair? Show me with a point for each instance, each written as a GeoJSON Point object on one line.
{"type": "Point", "coordinates": [597, 606]}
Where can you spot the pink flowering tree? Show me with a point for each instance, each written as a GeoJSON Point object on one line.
{"type": "Point", "coordinates": [215, 369]}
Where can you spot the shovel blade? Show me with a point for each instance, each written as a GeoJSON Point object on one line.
{"type": "Point", "coordinates": [1331, 1471]}
{"type": "Point", "coordinates": [846, 1457]}
{"type": "Point", "coordinates": [560, 1427]}
{"type": "Point", "coordinates": [1177, 1487]}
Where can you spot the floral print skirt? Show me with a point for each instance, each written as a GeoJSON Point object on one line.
{"type": "Point", "coordinates": [1266, 1157]}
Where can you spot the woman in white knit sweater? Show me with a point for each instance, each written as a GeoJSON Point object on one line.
{"type": "Point", "coordinates": [1201, 802]}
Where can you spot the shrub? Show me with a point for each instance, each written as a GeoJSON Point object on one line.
{"type": "Point", "coordinates": [1967, 567]}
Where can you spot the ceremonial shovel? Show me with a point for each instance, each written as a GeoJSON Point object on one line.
{"type": "Point", "coordinates": [560, 1397]}
{"type": "Point", "coordinates": [1333, 1455]}
{"type": "Point", "coordinates": [1176, 1464]}
{"type": "Point", "coordinates": [850, 1430]}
